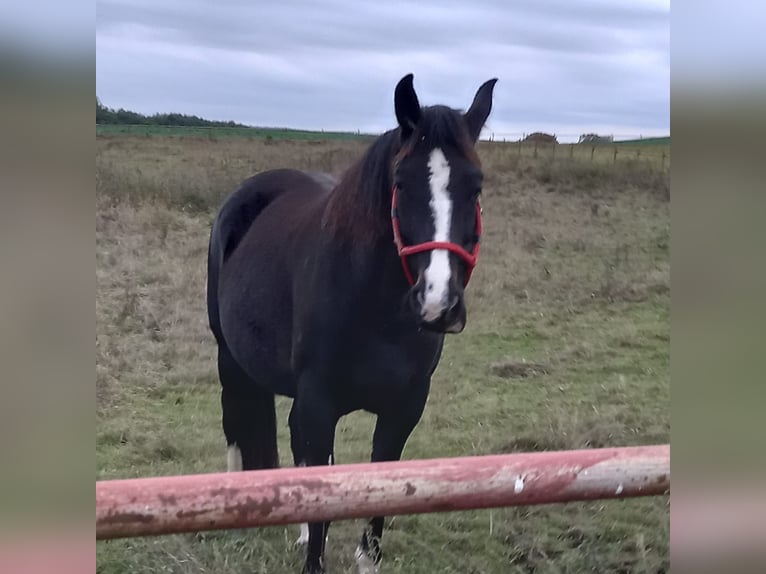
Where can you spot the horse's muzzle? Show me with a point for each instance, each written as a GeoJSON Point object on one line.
{"type": "Point", "coordinates": [450, 319]}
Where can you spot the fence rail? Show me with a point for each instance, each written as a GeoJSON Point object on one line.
{"type": "Point", "coordinates": [657, 156]}
{"type": "Point", "coordinates": [166, 505]}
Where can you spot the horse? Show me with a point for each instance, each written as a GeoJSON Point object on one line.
{"type": "Point", "coordinates": [339, 293]}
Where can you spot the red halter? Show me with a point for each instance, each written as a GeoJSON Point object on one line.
{"type": "Point", "coordinates": [470, 259]}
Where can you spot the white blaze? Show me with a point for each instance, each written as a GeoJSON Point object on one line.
{"type": "Point", "coordinates": [437, 274]}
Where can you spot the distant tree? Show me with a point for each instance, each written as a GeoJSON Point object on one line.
{"type": "Point", "coordinates": [105, 115]}
{"type": "Point", "coordinates": [595, 139]}
{"type": "Point", "coordinates": [541, 137]}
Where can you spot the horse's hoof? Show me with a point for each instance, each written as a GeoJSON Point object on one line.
{"type": "Point", "coordinates": [364, 563]}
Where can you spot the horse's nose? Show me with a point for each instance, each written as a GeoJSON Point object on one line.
{"type": "Point", "coordinates": [418, 295]}
{"type": "Point", "coordinates": [430, 309]}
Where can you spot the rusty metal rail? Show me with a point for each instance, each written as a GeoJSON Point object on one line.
{"type": "Point", "coordinates": [166, 505]}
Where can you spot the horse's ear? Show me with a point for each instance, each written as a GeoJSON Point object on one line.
{"type": "Point", "coordinates": [478, 113]}
{"type": "Point", "coordinates": [406, 106]}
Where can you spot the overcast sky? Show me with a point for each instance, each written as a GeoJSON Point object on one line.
{"type": "Point", "coordinates": [564, 66]}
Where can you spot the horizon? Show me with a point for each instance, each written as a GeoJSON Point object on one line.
{"type": "Point", "coordinates": [485, 135]}
{"type": "Point", "coordinates": [569, 69]}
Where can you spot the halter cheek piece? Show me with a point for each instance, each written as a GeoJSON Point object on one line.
{"type": "Point", "coordinates": [470, 259]}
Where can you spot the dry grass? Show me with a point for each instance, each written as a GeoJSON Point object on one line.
{"type": "Point", "coordinates": [567, 346]}
{"type": "Point", "coordinates": [184, 174]}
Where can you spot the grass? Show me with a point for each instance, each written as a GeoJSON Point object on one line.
{"type": "Point", "coordinates": [221, 132]}
{"type": "Point", "coordinates": [567, 346]}
{"type": "Point", "coordinates": [665, 141]}
{"type": "Point", "coordinates": [618, 158]}
{"type": "Point", "coordinates": [653, 150]}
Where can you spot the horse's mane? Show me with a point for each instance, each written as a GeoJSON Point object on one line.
{"type": "Point", "coordinates": [356, 204]}
{"type": "Point", "coordinates": [359, 206]}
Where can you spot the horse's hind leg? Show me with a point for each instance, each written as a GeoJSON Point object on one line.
{"type": "Point", "coordinates": [249, 418]}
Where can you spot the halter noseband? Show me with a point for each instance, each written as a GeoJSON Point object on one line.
{"type": "Point", "coordinates": [470, 259]}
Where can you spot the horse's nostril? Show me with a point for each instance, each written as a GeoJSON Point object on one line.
{"type": "Point", "coordinates": [454, 302]}
{"type": "Point", "coordinates": [421, 297]}
{"type": "Point", "coordinates": [417, 297]}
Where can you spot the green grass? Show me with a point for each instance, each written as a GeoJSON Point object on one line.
{"type": "Point", "coordinates": [221, 132]}
{"type": "Point", "coordinates": [567, 346]}
{"type": "Point", "coordinates": [663, 141]}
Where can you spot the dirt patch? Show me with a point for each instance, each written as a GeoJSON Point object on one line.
{"type": "Point", "coordinates": [518, 370]}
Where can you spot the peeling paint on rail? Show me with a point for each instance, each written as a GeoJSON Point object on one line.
{"type": "Point", "coordinates": [166, 505]}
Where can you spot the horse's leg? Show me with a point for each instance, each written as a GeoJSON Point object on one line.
{"type": "Point", "coordinates": [391, 433]}
{"type": "Point", "coordinates": [249, 418]}
{"type": "Point", "coordinates": [316, 417]}
{"type": "Point", "coordinates": [299, 459]}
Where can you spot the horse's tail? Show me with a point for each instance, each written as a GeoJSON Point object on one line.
{"type": "Point", "coordinates": [237, 214]}
{"type": "Point", "coordinates": [234, 218]}
{"type": "Point", "coordinates": [249, 417]}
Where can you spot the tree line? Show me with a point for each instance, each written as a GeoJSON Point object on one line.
{"type": "Point", "coordinates": [106, 115]}
{"type": "Point", "coordinates": [540, 137]}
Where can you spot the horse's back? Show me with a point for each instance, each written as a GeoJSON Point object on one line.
{"type": "Point", "coordinates": [240, 209]}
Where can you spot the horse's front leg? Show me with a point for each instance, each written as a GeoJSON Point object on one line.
{"type": "Point", "coordinates": [316, 418]}
{"type": "Point", "coordinates": [391, 433]}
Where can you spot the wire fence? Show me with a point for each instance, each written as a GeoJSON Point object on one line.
{"type": "Point", "coordinates": [571, 137]}
{"type": "Point", "coordinates": [612, 149]}
{"type": "Point", "coordinates": [657, 154]}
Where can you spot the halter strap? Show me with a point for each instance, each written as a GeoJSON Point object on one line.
{"type": "Point", "coordinates": [404, 251]}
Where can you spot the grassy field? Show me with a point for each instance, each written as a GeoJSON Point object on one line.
{"type": "Point", "coordinates": [567, 346]}
{"type": "Point", "coordinates": [618, 154]}
{"type": "Point", "coordinates": [220, 132]}
{"type": "Point", "coordinates": [655, 151]}
{"type": "Point", "coordinates": [660, 141]}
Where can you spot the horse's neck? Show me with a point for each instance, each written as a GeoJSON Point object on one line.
{"type": "Point", "coordinates": [384, 271]}
{"type": "Point", "coordinates": [363, 193]}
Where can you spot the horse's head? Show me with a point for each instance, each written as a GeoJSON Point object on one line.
{"type": "Point", "coordinates": [435, 204]}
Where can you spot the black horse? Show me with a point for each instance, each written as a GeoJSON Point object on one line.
{"type": "Point", "coordinates": [338, 294]}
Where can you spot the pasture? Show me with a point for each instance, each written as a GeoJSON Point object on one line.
{"type": "Point", "coordinates": [567, 346]}
{"type": "Point", "coordinates": [220, 132]}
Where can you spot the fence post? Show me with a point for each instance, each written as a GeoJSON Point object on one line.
{"type": "Point", "coordinates": [663, 161]}
{"type": "Point", "coordinates": [535, 148]}
{"type": "Point", "coordinates": [553, 151]}
{"type": "Point", "coordinates": [592, 151]}
{"type": "Point", "coordinates": [615, 154]}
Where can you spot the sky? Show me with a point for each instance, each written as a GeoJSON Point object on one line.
{"type": "Point", "coordinates": [563, 66]}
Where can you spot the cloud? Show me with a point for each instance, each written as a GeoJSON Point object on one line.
{"type": "Point", "coordinates": [563, 66]}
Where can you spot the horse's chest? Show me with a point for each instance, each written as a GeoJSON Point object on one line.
{"type": "Point", "coordinates": [380, 365]}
